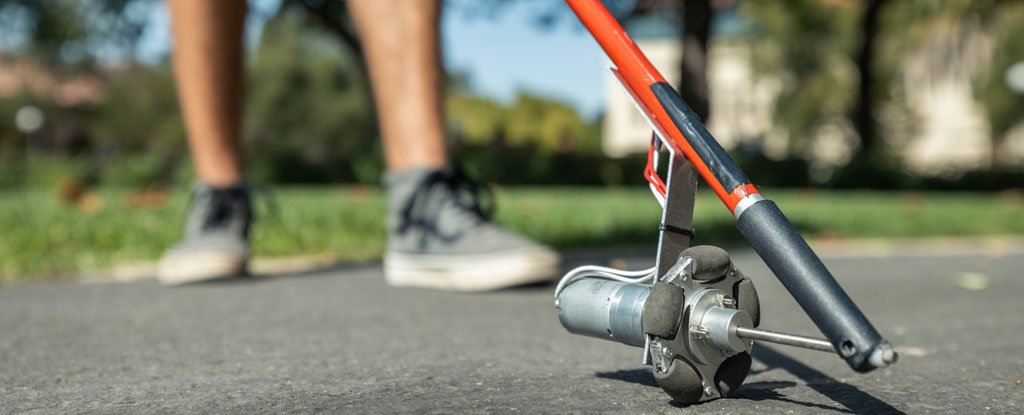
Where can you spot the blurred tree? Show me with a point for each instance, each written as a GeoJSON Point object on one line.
{"type": "Point", "coordinates": [530, 122]}
{"type": "Point", "coordinates": [334, 16]}
{"type": "Point", "coordinates": [137, 130]}
{"type": "Point", "coordinates": [807, 44]}
{"type": "Point", "coordinates": [864, 121]}
{"type": "Point", "coordinates": [981, 38]}
{"type": "Point", "coordinates": [693, 80]}
{"type": "Point", "coordinates": [1005, 107]}
{"type": "Point", "coordinates": [309, 108]}
{"type": "Point", "coordinates": [848, 59]}
{"type": "Point", "coordinates": [71, 31]}
{"type": "Point", "coordinates": [307, 100]}
{"type": "Point", "coordinates": [139, 112]}
{"type": "Point", "coordinates": [548, 125]}
{"type": "Point", "coordinates": [694, 18]}
{"type": "Point", "coordinates": [475, 120]}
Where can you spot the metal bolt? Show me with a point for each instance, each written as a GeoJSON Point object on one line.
{"type": "Point", "coordinates": [728, 302]}
{"type": "Point", "coordinates": [709, 391]}
{"type": "Point", "coordinates": [699, 331]}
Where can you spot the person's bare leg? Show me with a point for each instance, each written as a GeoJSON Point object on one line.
{"type": "Point", "coordinates": [435, 238]}
{"type": "Point", "coordinates": [209, 74]}
{"type": "Point", "coordinates": [208, 70]}
{"type": "Point", "coordinates": [400, 38]}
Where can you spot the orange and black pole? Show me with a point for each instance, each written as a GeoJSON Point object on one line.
{"type": "Point", "coordinates": [758, 219]}
{"type": "Point", "coordinates": [651, 89]}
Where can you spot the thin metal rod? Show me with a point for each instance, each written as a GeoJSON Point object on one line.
{"type": "Point", "coordinates": [785, 338]}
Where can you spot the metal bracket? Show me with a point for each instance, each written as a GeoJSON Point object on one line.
{"type": "Point", "coordinates": [676, 229]}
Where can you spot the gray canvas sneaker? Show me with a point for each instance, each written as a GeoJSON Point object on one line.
{"type": "Point", "coordinates": [216, 241]}
{"type": "Point", "coordinates": [440, 236]}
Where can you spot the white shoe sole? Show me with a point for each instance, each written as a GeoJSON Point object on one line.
{"type": "Point", "coordinates": [186, 268]}
{"type": "Point", "coordinates": [470, 273]}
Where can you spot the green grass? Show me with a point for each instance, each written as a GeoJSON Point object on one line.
{"type": "Point", "coordinates": [40, 236]}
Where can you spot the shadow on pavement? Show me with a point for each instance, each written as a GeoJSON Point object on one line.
{"type": "Point", "coordinates": [330, 270]}
{"type": "Point", "coordinates": [768, 391]}
{"type": "Point", "coordinates": [638, 376]}
{"type": "Point", "coordinates": [845, 394]}
{"type": "Point", "coordinates": [854, 399]}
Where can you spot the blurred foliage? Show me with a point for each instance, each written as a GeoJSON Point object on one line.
{"type": "Point", "coordinates": [530, 121]}
{"type": "Point", "coordinates": [307, 103]}
{"type": "Point", "coordinates": [475, 120]}
{"type": "Point", "coordinates": [310, 117]}
{"type": "Point", "coordinates": [137, 130]}
{"type": "Point", "coordinates": [139, 112]}
{"type": "Point", "coordinates": [813, 46]}
{"type": "Point", "coordinates": [1004, 107]}
{"type": "Point", "coordinates": [807, 43]}
{"type": "Point", "coordinates": [71, 31]}
{"type": "Point", "coordinates": [549, 126]}
{"type": "Point", "coordinates": [531, 166]}
{"type": "Point", "coordinates": [45, 237]}
{"type": "Point", "coordinates": [912, 24]}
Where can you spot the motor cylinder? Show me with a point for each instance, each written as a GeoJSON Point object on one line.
{"type": "Point", "coordinates": [604, 309]}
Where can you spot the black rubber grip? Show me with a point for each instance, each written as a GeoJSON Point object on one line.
{"type": "Point", "coordinates": [802, 273]}
{"type": "Point", "coordinates": [707, 148]}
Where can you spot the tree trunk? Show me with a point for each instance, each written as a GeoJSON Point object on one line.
{"type": "Point", "coordinates": [693, 80]}
{"type": "Point", "coordinates": [334, 16]}
{"type": "Point", "coordinates": [863, 120]}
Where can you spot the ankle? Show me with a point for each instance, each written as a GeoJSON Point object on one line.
{"type": "Point", "coordinates": [239, 185]}
{"type": "Point", "coordinates": [220, 180]}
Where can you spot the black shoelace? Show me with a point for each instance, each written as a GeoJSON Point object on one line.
{"type": "Point", "coordinates": [449, 184]}
{"type": "Point", "coordinates": [223, 204]}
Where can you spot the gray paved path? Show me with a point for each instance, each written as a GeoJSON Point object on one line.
{"type": "Point", "coordinates": [339, 340]}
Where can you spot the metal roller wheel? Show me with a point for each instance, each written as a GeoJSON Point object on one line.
{"type": "Point", "coordinates": [705, 359]}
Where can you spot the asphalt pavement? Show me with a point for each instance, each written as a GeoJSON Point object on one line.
{"type": "Point", "coordinates": [339, 340]}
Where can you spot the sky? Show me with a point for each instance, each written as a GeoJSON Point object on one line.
{"type": "Point", "coordinates": [502, 55]}
{"type": "Point", "coordinates": [508, 53]}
